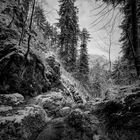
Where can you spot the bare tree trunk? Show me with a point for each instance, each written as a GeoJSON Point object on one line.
{"type": "Point", "coordinates": [109, 34]}
{"type": "Point", "coordinates": [22, 32]}
{"type": "Point", "coordinates": [11, 21]}
{"type": "Point", "coordinates": [30, 27]}
{"type": "Point", "coordinates": [135, 35]}
{"type": "Point", "coordinates": [110, 54]}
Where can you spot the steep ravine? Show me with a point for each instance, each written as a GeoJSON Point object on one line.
{"type": "Point", "coordinates": [36, 103]}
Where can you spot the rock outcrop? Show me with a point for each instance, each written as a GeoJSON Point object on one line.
{"type": "Point", "coordinates": [22, 122]}
{"type": "Point", "coordinates": [28, 77]}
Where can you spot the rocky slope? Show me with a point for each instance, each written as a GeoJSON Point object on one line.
{"type": "Point", "coordinates": [37, 102]}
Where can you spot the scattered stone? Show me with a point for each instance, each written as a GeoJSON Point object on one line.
{"type": "Point", "coordinates": [65, 111]}
{"type": "Point", "coordinates": [11, 99]}
{"type": "Point", "coordinates": [51, 102]}
{"type": "Point", "coordinates": [22, 122]}
{"type": "Point", "coordinates": [5, 108]}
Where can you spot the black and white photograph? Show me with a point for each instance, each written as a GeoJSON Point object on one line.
{"type": "Point", "coordinates": [69, 69]}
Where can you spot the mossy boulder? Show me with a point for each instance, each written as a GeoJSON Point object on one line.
{"type": "Point", "coordinates": [53, 71]}
{"type": "Point", "coordinates": [11, 99]}
{"type": "Point", "coordinates": [77, 125]}
{"type": "Point", "coordinates": [22, 122]}
{"type": "Point", "coordinates": [21, 75]}
{"type": "Point", "coordinates": [29, 77]}
{"type": "Point", "coordinates": [51, 102]}
{"type": "Point", "coordinates": [121, 118]}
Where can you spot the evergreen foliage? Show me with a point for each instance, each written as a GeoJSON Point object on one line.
{"type": "Point", "coordinates": [123, 73]}
{"type": "Point", "coordinates": [99, 78]}
{"type": "Point", "coordinates": [39, 18]}
{"type": "Point", "coordinates": [96, 80]}
{"type": "Point", "coordinates": [124, 69]}
{"type": "Point", "coordinates": [68, 24]}
{"type": "Point", "coordinates": [51, 33]}
{"type": "Point", "coordinates": [22, 25]}
{"type": "Point", "coordinates": [13, 15]}
{"type": "Point", "coordinates": [83, 60]}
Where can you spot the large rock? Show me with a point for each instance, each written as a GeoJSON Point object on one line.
{"type": "Point", "coordinates": [76, 96]}
{"type": "Point", "coordinates": [53, 64]}
{"type": "Point", "coordinates": [75, 119]}
{"type": "Point", "coordinates": [51, 102]}
{"type": "Point", "coordinates": [53, 131]}
{"type": "Point", "coordinates": [53, 71]}
{"type": "Point", "coordinates": [22, 122]}
{"type": "Point", "coordinates": [26, 77]}
{"type": "Point", "coordinates": [76, 126]}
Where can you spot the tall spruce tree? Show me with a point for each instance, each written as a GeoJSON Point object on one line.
{"type": "Point", "coordinates": [39, 18]}
{"type": "Point", "coordinates": [68, 24]}
{"type": "Point", "coordinates": [83, 60]}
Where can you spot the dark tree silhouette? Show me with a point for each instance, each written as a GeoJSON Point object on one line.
{"type": "Point", "coordinates": [30, 28]}
{"type": "Point", "coordinates": [68, 24]}
{"type": "Point", "coordinates": [83, 60]}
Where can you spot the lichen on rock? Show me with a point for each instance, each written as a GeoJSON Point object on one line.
{"type": "Point", "coordinates": [23, 122]}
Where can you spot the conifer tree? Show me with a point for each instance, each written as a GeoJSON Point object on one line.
{"type": "Point", "coordinates": [39, 18]}
{"type": "Point", "coordinates": [68, 24]}
{"type": "Point", "coordinates": [83, 60]}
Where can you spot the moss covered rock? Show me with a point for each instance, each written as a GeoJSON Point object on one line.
{"type": "Point", "coordinates": [11, 99]}
{"type": "Point", "coordinates": [22, 122]}
{"type": "Point", "coordinates": [51, 102]}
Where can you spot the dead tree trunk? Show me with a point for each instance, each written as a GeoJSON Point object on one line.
{"type": "Point", "coordinates": [135, 35]}
{"type": "Point", "coordinates": [30, 27]}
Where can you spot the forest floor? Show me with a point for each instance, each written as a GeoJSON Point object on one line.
{"type": "Point", "coordinates": [62, 111]}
